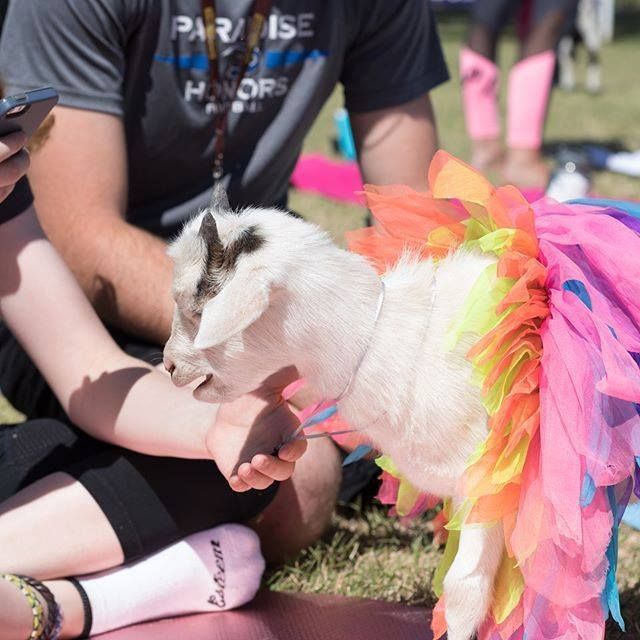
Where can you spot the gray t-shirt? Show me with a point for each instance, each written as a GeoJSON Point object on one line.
{"type": "Point", "coordinates": [145, 61]}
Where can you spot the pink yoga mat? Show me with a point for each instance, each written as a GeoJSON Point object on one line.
{"type": "Point", "coordinates": [289, 616]}
{"type": "Point", "coordinates": [341, 180]}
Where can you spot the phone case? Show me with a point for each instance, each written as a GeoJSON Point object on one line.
{"type": "Point", "coordinates": [26, 112]}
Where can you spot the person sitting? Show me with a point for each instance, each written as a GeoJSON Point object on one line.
{"type": "Point", "coordinates": [79, 495]}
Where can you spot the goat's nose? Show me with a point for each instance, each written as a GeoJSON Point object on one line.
{"type": "Point", "coordinates": [169, 365]}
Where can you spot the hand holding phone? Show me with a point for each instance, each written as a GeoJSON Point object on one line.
{"type": "Point", "coordinates": [20, 117]}
{"type": "Point", "coordinates": [26, 111]}
{"type": "Point", "coordinates": [14, 161]}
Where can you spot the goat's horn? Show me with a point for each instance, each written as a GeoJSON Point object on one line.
{"type": "Point", "coordinates": [219, 199]}
{"type": "Point", "coordinates": [209, 230]}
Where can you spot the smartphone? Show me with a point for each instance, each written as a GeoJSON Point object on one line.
{"type": "Point", "coordinates": [26, 111]}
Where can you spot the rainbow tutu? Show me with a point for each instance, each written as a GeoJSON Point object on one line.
{"type": "Point", "coordinates": [557, 356]}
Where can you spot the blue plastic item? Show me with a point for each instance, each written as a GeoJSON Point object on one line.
{"type": "Point", "coordinates": [344, 135]}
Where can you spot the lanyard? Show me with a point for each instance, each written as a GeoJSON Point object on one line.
{"type": "Point", "coordinates": [261, 9]}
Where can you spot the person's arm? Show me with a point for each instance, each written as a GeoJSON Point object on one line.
{"type": "Point", "coordinates": [392, 61]}
{"type": "Point", "coordinates": [117, 398]}
{"type": "Point", "coordinates": [108, 394]}
{"type": "Point", "coordinates": [395, 145]}
{"type": "Point", "coordinates": [79, 179]}
{"type": "Point", "coordinates": [14, 162]}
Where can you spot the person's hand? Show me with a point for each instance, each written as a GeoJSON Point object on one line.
{"type": "Point", "coordinates": [250, 430]}
{"type": "Point", "coordinates": [14, 162]}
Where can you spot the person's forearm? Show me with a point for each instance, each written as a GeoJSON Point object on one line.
{"type": "Point", "coordinates": [141, 410]}
{"type": "Point", "coordinates": [396, 145]}
{"type": "Point", "coordinates": [105, 392]}
{"type": "Point", "coordinates": [80, 181]}
{"type": "Point", "coordinates": [123, 270]}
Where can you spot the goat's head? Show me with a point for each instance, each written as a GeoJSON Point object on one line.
{"type": "Point", "coordinates": [234, 278]}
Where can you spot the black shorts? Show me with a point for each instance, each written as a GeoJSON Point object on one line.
{"type": "Point", "coordinates": [149, 501]}
{"type": "Point", "coordinates": [495, 14]}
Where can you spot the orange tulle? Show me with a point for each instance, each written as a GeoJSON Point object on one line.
{"type": "Point", "coordinates": [462, 207]}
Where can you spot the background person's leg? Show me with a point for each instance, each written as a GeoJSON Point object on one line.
{"type": "Point", "coordinates": [480, 80]}
{"type": "Point", "coordinates": [530, 82]}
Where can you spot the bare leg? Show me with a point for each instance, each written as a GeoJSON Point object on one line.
{"type": "Point", "coordinates": [54, 528]}
{"type": "Point", "coordinates": [302, 508]}
{"type": "Point", "coordinates": [15, 613]}
{"type": "Point", "coordinates": [524, 165]}
{"type": "Point", "coordinates": [16, 617]}
{"type": "Point", "coordinates": [487, 150]}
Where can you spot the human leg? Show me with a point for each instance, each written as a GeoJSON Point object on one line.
{"type": "Point", "coordinates": [302, 509]}
{"type": "Point", "coordinates": [16, 612]}
{"type": "Point", "coordinates": [529, 91]}
{"type": "Point", "coordinates": [291, 523]}
{"type": "Point", "coordinates": [214, 570]}
{"type": "Point", "coordinates": [62, 492]}
{"type": "Point", "coordinates": [480, 81]}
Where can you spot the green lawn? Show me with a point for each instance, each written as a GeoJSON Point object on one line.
{"type": "Point", "coordinates": [369, 554]}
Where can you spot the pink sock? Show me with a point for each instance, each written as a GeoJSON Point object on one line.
{"type": "Point", "coordinates": [213, 570]}
{"type": "Point", "coordinates": [528, 97]}
{"type": "Point", "coordinates": [480, 95]}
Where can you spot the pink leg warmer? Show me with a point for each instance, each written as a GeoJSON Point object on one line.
{"type": "Point", "coordinates": [480, 95]}
{"type": "Point", "coordinates": [527, 100]}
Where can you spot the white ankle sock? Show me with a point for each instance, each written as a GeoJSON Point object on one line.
{"type": "Point", "coordinates": [213, 570]}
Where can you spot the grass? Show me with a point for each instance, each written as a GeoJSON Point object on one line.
{"type": "Point", "coordinates": [367, 553]}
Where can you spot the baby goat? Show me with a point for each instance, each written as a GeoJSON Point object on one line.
{"type": "Point", "coordinates": [258, 290]}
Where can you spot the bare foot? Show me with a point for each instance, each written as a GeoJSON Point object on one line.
{"type": "Point", "coordinates": [525, 168]}
{"type": "Point", "coordinates": [487, 155]}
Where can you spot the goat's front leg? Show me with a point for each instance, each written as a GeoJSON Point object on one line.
{"type": "Point", "coordinates": [468, 585]}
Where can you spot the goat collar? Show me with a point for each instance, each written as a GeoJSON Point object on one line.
{"type": "Point", "coordinates": [354, 373]}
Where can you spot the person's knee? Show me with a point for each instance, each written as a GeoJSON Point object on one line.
{"type": "Point", "coordinates": [302, 509]}
{"type": "Point", "coordinates": [54, 528]}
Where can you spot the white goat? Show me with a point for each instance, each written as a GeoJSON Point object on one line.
{"type": "Point", "coordinates": [259, 290]}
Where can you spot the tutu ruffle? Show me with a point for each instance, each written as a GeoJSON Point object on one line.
{"type": "Point", "coordinates": [557, 320]}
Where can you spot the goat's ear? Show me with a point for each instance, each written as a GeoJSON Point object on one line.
{"type": "Point", "coordinates": [219, 199]}
{"type": "Point", "coordinates": [239, 304]}
{"type": "Point", "coordinates": [209, 233]}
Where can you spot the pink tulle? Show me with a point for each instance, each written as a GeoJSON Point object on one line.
{"type": "Point", "coordinates": [576, 478]}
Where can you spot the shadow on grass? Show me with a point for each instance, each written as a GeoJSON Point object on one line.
{"type": "Point", "coordinates": [630, 606]}
{"type": "Point", "coordinates": [627, 27]}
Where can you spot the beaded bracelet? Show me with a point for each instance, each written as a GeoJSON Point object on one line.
{"type": "Point", "coordinates": [54, 613]}
{"type": "Point", "coordinates": [31, 595]}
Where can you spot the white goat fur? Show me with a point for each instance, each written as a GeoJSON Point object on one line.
{"type": "Point", "coordinates": [314, 306]}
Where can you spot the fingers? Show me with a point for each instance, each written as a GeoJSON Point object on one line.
{"type": "Point", "coordinates": [273, 468]}
{"type": "Point", "coordinates": [292, 451]}
{"type": "Point", "coordinates": [5, 192]}
{"type": "Point", "coordinates": [238, 485]}
{"type": "Point", "coordinates": [13, 169]}
{"type": "Point", "coordinates": [11, 144]}
{"type": "Point", "coordinates": [263, 470]}
{"type": "Point", "coordinates": [253, 478]}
